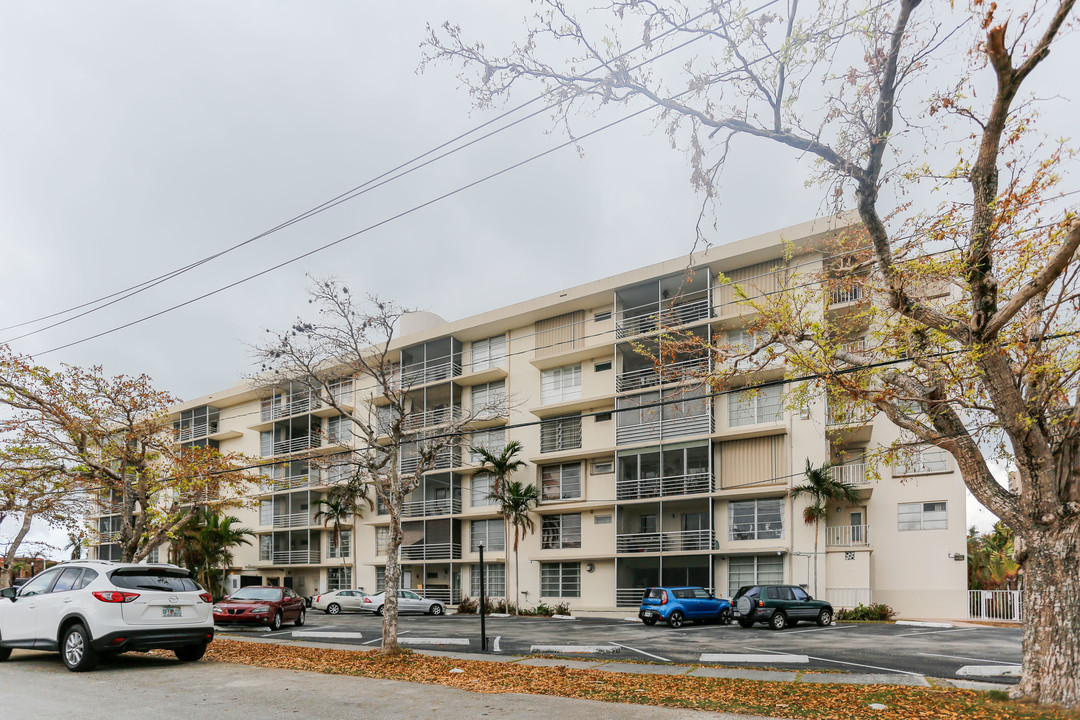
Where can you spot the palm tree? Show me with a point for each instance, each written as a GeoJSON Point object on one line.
{"type": "Point", "coordinates": [516, 499]}
{"type": "Point", "coordinates": [205, 544]}
{"type": "Point", "coordinates": [336, 508]}
{"type": "Point", "coordinates": [501, 466]}
{"type": "Point", "coordinates": [823, 490]}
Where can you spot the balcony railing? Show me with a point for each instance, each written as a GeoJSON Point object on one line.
{"type": "Point", "coordinates": [666, 428]}
{"type": "Point", "coordinates": [663, 487]}
{"type": "Point", "coordinates": [664, 541]}
{"type": "Point", "coordinates": [429, 372]}
{"type": "Point", "coordinates": [430, 418]}
{"type": "Point", "coordinates": [841, 296]}
{"type": "Point", "coordinates": [629, 597]}
{"type": "Point", "coordinates": [424, 508]}
{"type": "Point", "coordinates": [290, 483]}
{"type": "Point", "coordinates": [286, 405]}
{"type": "Point", "coordinates": [431, 551]}
{"type": "Point", "coordinates": [851, 473]}
{"type": "Point", "coordinates": [198, 430]}
{"type": "Point", "coordinates": [846, 415]}
{"type": "Point", "coordinates": [848, 535]}
{"type": "Point", "coordinates": [444, 595]}
{"type": "Point", "coordinates": [653, 316]}
{"type": "Point", "coordinates": [296, 444]}
{"type": "Point", "coordinates": [290, 520]}
{"type": "Point", "coordinates": [295, 557]}
{"type": "Point", "coordinates": [445, 459]}
{"type": "Point", "coordinates": [110, 536]}
{"type": "Point", "coordinates": [651, 376]}
{"type": "Point", "coordinates": [107, 508]}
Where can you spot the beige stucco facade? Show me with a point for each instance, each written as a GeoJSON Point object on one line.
{"type": "Point", "coordinates": [645, 482]}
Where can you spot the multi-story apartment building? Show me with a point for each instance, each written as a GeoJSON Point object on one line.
{"type": "Point", "coordinates": [645, 476]}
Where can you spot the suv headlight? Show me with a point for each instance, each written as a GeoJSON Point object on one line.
{"type": "Point", "coordinates": [259, 609]}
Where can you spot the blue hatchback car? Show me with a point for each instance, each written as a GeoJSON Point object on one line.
{"type": "Point", "coordinates": [676, 605]}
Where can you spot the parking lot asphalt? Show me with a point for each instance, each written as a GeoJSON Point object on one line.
{"type": "Point", "coordinates": [905, 653]}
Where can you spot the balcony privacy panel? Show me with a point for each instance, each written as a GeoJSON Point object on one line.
{"type": "Point", "coordinates": [755, 461]}
{"type": "Point", "coordinates": [755, 281]}
{"type": "Point", "coordinates": [560, 333]}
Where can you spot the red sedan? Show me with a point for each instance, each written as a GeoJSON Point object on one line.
{"type": "Point", "coordinates": [261, 605]}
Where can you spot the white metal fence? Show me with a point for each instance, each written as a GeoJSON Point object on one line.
{"type": "Point", "coordinates": [1004, 605]}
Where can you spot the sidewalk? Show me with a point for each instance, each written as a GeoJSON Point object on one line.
{"type": "Point", "coordinates": [795, 676]}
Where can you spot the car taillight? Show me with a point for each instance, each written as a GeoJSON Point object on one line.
{"type": "Point", "coordinates": [761, 603]}
{"type": "Point", "coordinates": [367, 600]}
{"type": "Point", "coordinates": [205, 597]}
{"type": "Point", "coordinates": [115, 596]}
{"type": "Point", "coordinates": [663, 597]}
{"type": "Point", "coordinates": [318, 598]}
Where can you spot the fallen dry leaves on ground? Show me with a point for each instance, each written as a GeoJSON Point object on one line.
{"type": "Point", "coordinates": [781, 699]}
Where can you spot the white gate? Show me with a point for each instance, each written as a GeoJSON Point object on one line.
{"type": "Point", "coordinates": [995, 605]}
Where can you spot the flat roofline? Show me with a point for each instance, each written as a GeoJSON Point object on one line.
{"type": "Point", "coordinates": [806, 236]}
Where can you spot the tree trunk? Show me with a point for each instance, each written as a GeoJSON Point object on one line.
{"type": "Point", "coordinates": [393, 580]}
{"type": "Point", "coordinates": [817, 530]}
{"type": "Point", "coordinates": [6, 571]}
{"type": "Point", "coordinates": [506, 568]}
{"type": "Point", "coordinates": [517, 574]}
{"type": "Point", "coordinates": [1051, 616]}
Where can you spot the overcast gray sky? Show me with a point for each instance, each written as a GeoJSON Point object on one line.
{"type": "Point", "coordinates": [138, 137]}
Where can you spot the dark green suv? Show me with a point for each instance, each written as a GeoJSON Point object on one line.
{"type": "Point", "coordinates": [779, 606]}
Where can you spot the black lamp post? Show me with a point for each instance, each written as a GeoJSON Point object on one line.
{"type": "Point", "coordinates": [483, 595]}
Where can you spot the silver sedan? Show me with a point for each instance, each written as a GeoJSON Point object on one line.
{"type": "Point", "coordinates": [408, 601]}
{"type": "Point", "coordinates": [335, 601]}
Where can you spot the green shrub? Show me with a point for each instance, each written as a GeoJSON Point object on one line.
{"type": "Point", "coordinates": [468, 606]}
{"type": "Point", "coordinates": [878, 612]}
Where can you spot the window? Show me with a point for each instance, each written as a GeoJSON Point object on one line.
{"type": "Point", "coordinates": [755, 406]}
{"type": "Point", "coordinates": [155, 555]}
{"type": "Point", "coordinates": [922, 516]}
{"type": "Point", "coordinates": [490, 532]}
{"type": "Point", "coordinates": [489, 399]}
{"type": "Point", "coordinates": [757, 519]}
{"type": "Point", "coordinates": [560, 384]}
{"type": "Point", "coordinates": [266, 547]}
{"type": "Point", "coordinates": [266, 512]}
{"type": "Point", "coordinates": [338, 579]}
{"type": "Point", "coordinates": [922, 460]}
{"type": "Point", "coordinates": [382, 540]}
{"type": "Point", "coordinates": [561, 482]}
{"type": "Point", "coordinates": [561, 531]}
{"type": "Point", "coordinates": [380, 579]}
{"type": "Point", "coordinates": [339, 431]}
{"type": "Point", "coordinates": [754, 570]}
{"type": "Point", "coordinates": [603, 467]}
{"type": "Point", "coordinates": [489, 353]}
{"type": "Point", "coordinates": [602, 316]}
{"type": "Point", "coordinates": [492, 440]}
{"type": "Point", "coordinates": [346, 545]}
{"type": "Point", "coordinates": [67, 580]}
{"type": "Point", "coordinates": [88, 577]}
{"type": "Point", "coordinates": [602, 520]}
{"type": "Point", "coordinates": [560, 579]}
{"type": "Point", "coordinates": [602, 366]}
{"type": "Point", "coordinates": [561, 433]}
{"type": "Point", "coordinates": [482, 485]}
{"type": "Point", "coordinates": [602, 417]}
{"type": "Point", "coordinates": [494, 580]}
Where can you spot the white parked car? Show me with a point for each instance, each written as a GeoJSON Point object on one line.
{"type": "Point", "coordinates": [89, 608]}
{"type": "Point", "coordinates": [408, 601]}
{"type": "Point", "coordinates": [336, 601]}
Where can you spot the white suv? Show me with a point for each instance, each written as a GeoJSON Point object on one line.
{"type": "Point", "coordinates": [89, 608]}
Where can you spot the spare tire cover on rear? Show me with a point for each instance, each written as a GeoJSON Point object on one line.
{"type": "Point", "coordinates": [744, 605]}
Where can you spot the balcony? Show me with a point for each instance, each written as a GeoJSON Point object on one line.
{"type": "Point", "coordinates": [425, 508]}
{"type": "Point", "coordinates": [290, 483]}
{"type": "Point", "coordinates": [850, 473]}
{"type": "Point", "coordinates": [110, 536]}
{"type": "Point", "coordinates": [446, 458]}
{"type": "Point", "coordinates": [429, 372]}
{"type": "Point", "coordinates": [191, 432]}
{"type": "Point", "coordinates": [848, 536]}
{"type": "Point", "coordinates": [653, 316]}
{"type": "Point", "coordinates": [296, 444]}
{"type": "Point", "coordinates": [691, 484]}
{"type": "Point", "coordinates": [846, 415]}
{"type": "Point", "coordinates": [431, 551]}
{"type": "Point", "coordinates": [291, 520]}
{"type": "Point", "coordinates": [295, 557]}
{"type": "Point", "coordinates": [651, 376]}
{"type": "Point", "coordinates": [677, 426]}
{"type": "Point", "coordinates": [843, 296]}
{"type": "Point", "coordinates": [682, 541]}
{"type": "Point", "coordinates": [430, 418]}
{"type": "Point", "coordinates": [286, 405]}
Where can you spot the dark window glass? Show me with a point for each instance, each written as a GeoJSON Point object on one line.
{"type": "Point", "coordinates": [151, 579]}
{"type": "Point", "coordinates": [771, 593]}
{"type": "Point", "coordinates": [88, 577]}
{"type": "Point", "coordinates": [654, 593]}
{"type": "Point", "coordinates": [67, 580]}
{"type": "Point", "coordinates": [684, 594]}
{"type": "Point", "coordinates": [701, 593]}
{"type": "Point", "coordinates": [800, 594]}
{"type": "Point", "coordinates": [257, 593]}
{"type": "Point", "coordinates": [785, 593]}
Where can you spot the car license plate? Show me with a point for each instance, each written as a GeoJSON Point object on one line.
{"type": "Point", "coordinates": [647, 613]}
{"type": "Point", "coordinates": [170, 611]}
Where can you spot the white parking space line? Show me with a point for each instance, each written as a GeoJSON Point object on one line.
{"type": "Point", "coordinates": [961, 657]}
{"type": "Point", "coordinates": [933, 632]}
{"type": "Point", "coordinates": [841, 662]}
{"type": "Point", "coordinates": [576, 648]}
{"type": "Point", "coordinates": [642, 652]}
{"type": "Point", "coordinates": [822, 629]}
{"type": "Point", "coordinates": [922, 623]}
{"type": "Point", "coordinates": [747, 658]}
{"type": "Point", "coordinates": [326, 634]}
{"type": "Point", "coordinates": [495, 647]}
{"type": "Point", "coordinates": [989, 671]}
{"type": "Point", "coordinates": [379, 639]}
{"type": "Point", "coordinates": [433, 641]}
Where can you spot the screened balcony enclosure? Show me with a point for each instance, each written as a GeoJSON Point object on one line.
{"type": "Point", "coordinates": [437, 495]}
{"type": "Point", "coordinates": [290, 547]}
{"type": "Point", "coordinates": [634, 574]}
{"type": "Point", "coordinates": [289, 510]}
{"type": "Point", "coordinates": [293, 435]}
{"type": "Point", "coordinates": [659, 415]}
{"type": "Point", "coordinates": [664, 472]}
{"type": "Point", "coordinates": [430, 362]}
{"type": "Point", "coordinates": [431, 539]}
{"type": "Point", "coordinates": [671, 526]}
{"type": "Point", "coordinates": [669, 302]}
{"type": "Point", "coordinates": [196, 423]}
{"type": "Point", "coordinates": [432, 406]}
{"type": "Point", "coordinates": [667, 360]}
{"type": "Point", "coordinates": [445, 458]}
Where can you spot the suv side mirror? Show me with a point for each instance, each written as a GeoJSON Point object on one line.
{"type": "Point", "coordinates": [9, 593]}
